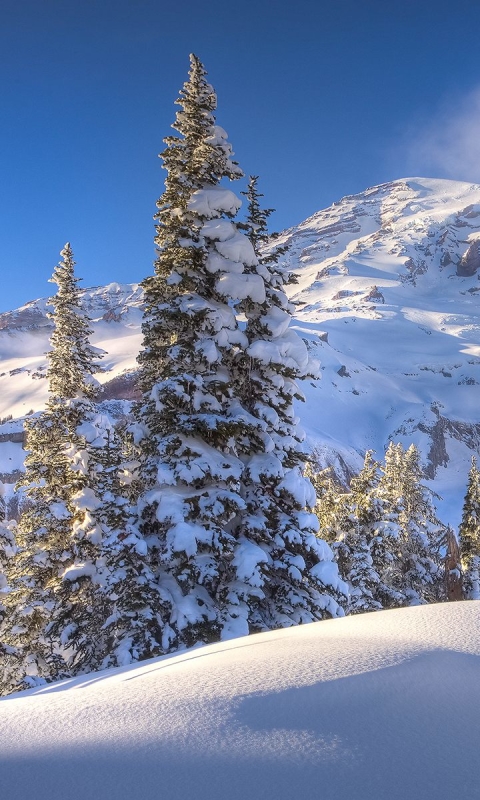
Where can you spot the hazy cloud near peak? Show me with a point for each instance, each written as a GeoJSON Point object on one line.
{"type": "Point", "coordinates": [448, 144]}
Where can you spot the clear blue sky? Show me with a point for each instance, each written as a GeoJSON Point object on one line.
{"type": "Point", "coordinates": [321, 99]}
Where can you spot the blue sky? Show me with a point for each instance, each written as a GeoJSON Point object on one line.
{"type": "Point", "coordinates": [321, 99]}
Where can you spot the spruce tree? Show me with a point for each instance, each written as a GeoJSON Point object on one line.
{"type": "Point", "coordinates": [412, 535]}
{"type": "Point", "coordinates": [296, 580]}
{"type": "Point", "coordinates": [7, 552]}
{"type": "Point", "coordinates": [359, 544]}
{"type": "Point", "coordinates": [51, 603]}
{"type": "Point", "coordinates": [43, 550]}
{"type": "Point", "coordinates": [108, 607]}
{"type": "Point", "coordinates": [191, 427]}
{"type": "Point", "coordinates": [384, 532]}
{"type": "Point", "coordinates": [354, 523]}
{"type": "Point", "coordinates": [129, 625]}
{"type": "Point", "coordinates": [469, 535]}
{"type": "Point", "coordinates": [332, 505]}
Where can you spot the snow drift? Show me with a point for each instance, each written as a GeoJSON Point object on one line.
{"type": "Point", "coordinates": [384, 705]}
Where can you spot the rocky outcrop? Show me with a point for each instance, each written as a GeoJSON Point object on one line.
{"type": "Point", "coordinates": [439, 432]}
{"type": "Point", "coordinates": [374, 296]}
{"type": "Point", "coordinates": [123, 387]}
{"type": "Point", "coordinates": [27, 318]}
{"type": "Point", "coordinates": [470, 262]}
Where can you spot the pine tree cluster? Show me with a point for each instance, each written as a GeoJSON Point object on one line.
{"type": "Point", "coordinates": [195, 523]}
{"type": "Point", "coordinates": [389, 543]}
{"type": "Point", "coordinates": [197, 520]}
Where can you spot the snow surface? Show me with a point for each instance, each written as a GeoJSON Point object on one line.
{"type": "Point", "coordinates": [382, 706]}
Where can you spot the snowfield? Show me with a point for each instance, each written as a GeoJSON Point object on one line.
{"type": "Point", "coordinates": [384, 706]}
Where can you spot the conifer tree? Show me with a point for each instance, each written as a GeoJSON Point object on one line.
{"type": "Point", "coordinates": [469, 535]}
{"type": "Point", "coordinates": [191, 427]}
{"type": "Point", "coordinates": [332, 506]}
{"type": "Point", "coordinates": [359, 545]}
{"type": "Point", "coordinates": [412, 533]}
{"type": "Point", "coordinates": [354, 524]}
{"type": "Point", "coordinates": [127, 593]}
{"type": "Point", "coordinates": [44, 548]}
{"type": "Point", "coordinates": [296, 580]}
{"type": "Point", "coordinates": [384, 532]}
{"type": "Point", "coordinates": [7, 552]}
{"type": "Point", "coordinates": [52, 604]}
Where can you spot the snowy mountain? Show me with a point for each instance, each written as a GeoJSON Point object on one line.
{"type": "Point", "coordinates": [388, 294]}
{"type": "Point", "coordinates": [116, 311]}
{"type": "Point", "coordinates": [382, 705]}
{"type": "Point", "coordinates": [388, 302]}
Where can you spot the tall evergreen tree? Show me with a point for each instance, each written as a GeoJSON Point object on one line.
{"type": "Point", "coordinates": [384, 532]}
{"type": "Point", "coordinates": [469, 535]}
{"type": "Point", "coordinates": [332, 506]}
{"type": "Point", "coordinates": [51, 603]}
{"type": "Point", "coordinates": [192, 428]}
{"type": "Point", "coordinates": [295, 580]}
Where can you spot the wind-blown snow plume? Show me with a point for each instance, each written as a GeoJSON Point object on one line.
{"type": "Point", "coordinates": [449, 144]}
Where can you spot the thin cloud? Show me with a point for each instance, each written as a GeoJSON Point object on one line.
{"type": "Point", "coordinates": [448, 144]}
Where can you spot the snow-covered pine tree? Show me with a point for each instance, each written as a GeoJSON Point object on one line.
{"type": "Point", "coordinates": [423, 534]}
{"type": "Point", "coordinates": [52, 603]}
{"type": "Point", "coordinates": [412, 534]}
{"type": "Point", "coordinates": [108, 605]}
{"type": "Point", "coordinates": [386, 544]}
{"type": "Point", "coordinates": [353, 523]}
{"type": "Point", "coordinates": [129, 625]}
{"type": "Point", "coordinates": [332, 506]}
{"type": "Point", "coordinates": [355, 548]}
{"type": "Point", "coordinates": [7, 551]}
{"type": "Point", "coordinates": [296, 580]}
{"type": "Point", "coordinates": [469, 535]}
{"type": "Point", "coordinates": [43, 549]}
{"type": "Point", "coordinates": [191, 427]}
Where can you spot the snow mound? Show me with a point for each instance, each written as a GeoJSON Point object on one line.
{"type": "Point", "coordinates": [383, 705]}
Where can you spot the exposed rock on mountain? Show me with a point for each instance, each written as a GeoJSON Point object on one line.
{"type": "Point", "coordinates": [470, 262]}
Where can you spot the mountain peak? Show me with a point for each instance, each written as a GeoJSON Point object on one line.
{"type": "Point", "coordinates": [387, 299]}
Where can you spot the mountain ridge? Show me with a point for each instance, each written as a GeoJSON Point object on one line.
{"type": "Point", "coordinates": [387, 302]}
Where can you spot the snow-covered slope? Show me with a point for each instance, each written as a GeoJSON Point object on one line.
{"type": "Point", "coordinates": [116, 313]}
{"type": "Point", "coordinates": [391, 278]}
{"type": "Point", "coordinates": [388, 299]}
{"type": "Point", "coordinates": [384, 705]}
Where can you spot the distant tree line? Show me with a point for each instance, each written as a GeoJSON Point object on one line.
{"type": "Point", "coordinates": [389, 544]}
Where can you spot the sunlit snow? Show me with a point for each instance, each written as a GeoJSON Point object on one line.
{"type": "Point", "coordinates": [381, 706]}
